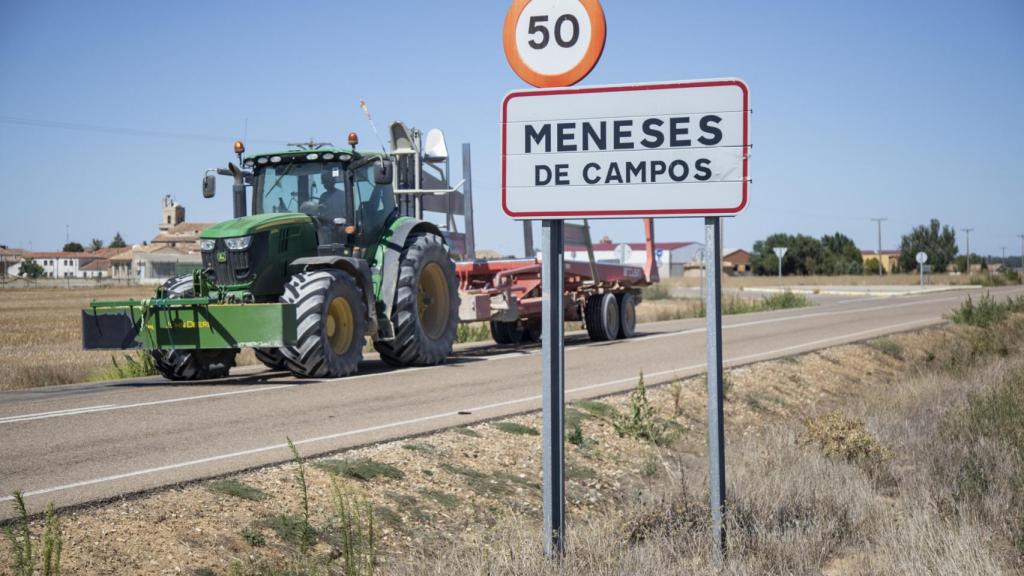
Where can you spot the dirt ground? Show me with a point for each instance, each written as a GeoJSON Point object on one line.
{"type": "Point", "coordinates": [453, 485]}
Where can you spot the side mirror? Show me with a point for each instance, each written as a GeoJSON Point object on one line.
{"type": "Point", "coordinates": [383, 173]}
{"type": "Point", "coordinates": [209, 186]}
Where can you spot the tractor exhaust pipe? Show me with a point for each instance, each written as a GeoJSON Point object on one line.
{"type": "Point", "coordinates": [238, 189]}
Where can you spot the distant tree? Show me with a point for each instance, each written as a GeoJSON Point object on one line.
{"type": "Point", "coordinates": [871, 266]}
{"type": "Point", "coordinates": [804, 255]}
{"type": "Point", "coordinates": [118, 242]}
{"type": "Point", "coordinates": [935, 240]}
{"type": "Point", "coordinates": [31, 269]}
{"type": "Point", "coordinates": [74, 247]}
{"type": "Point", "coordinates": [841, 255]}
{"type": "Point", "coordinates": [95, 245]}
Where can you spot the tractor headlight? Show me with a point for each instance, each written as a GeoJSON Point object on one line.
{"type": "Point", "coordinates": [240, 243]}
{"type": "Point", "coordinates": [207, 245]}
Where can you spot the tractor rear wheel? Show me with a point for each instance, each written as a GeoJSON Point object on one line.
{"type": "Point", "coordinates": [425, 314]}
{"type": "Point", "coordinates": [191, 364]}
{"type": "Point", "coordinates": [271, 358]}
{"type": "Point", "coordinates": [602, 317]}
{"type": "Point", "coordinates": [330, 324]}
{"type": "Point", "coordinates": [627, 315]}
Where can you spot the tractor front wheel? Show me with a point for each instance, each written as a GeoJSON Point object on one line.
{"type": "Point", "coordinates": [271, 358]}
{"type": "Point", "coordinates": [191, 364]}
{"type": "Point", "coordinates": [426, 309]}
{"type": "Point", "coordinates": [331, 324]}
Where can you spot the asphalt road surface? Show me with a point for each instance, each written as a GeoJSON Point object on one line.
{"type": "Point", "coordinates": [86, 442]}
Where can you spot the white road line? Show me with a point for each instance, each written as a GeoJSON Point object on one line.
{"type": "Point", "coordinates": [76, 411]}
{"type": "Point", "coordinates": [816, 343]}
{"type": "Point", "coordinates": [54, 412]}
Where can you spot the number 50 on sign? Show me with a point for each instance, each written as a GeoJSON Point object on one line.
{"type": "Point", "coordinates": [552, 43]}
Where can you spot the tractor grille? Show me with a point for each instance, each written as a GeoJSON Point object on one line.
{"type": "Point", "coordinates": [237, 265]}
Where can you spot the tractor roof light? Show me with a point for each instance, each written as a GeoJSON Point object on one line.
{"type": "Point", "coordinates": [239, 147]}
{"type": "Point", "coordinates": [353, 139]}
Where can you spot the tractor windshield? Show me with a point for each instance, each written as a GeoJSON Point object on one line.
{"type": "Point", "coordinates": [314, 188]}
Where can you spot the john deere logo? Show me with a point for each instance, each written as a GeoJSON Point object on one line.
{"type": "Point", "coordinates": [222, 256]}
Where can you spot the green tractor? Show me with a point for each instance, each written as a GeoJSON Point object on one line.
{"type": "Point", "coordinates": [335, 250]}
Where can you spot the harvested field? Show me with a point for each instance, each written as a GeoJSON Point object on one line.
{"type": "Point", "coordinates": [890, 457]}
{"type": "Point", "coordinates": [41, 335]}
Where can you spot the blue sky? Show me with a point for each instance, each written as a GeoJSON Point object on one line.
{"type": "Point", "coordinates": [904, 110]}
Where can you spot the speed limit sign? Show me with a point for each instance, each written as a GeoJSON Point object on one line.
{"type": "Point", "coordinates": [552, 43]}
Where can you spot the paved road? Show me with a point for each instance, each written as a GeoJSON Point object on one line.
{"type": "Point", "coordinates": [85, 442]}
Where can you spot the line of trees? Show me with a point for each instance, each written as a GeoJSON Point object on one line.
{"type": "Point", "coordinates": [96, 244]}
{"type": "Point", "coordinates": [832, 254]}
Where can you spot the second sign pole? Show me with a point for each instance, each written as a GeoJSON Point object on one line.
{"type": "Point", "coordinates": [716, 427]}
{"type": "Point", "coordinates": [552, 330]}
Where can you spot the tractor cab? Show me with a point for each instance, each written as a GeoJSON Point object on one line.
{"type": "Point", "coordinates": [348, 195]}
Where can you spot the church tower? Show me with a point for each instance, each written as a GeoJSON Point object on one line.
{"type": "Point", "coordinates": [173, 214]}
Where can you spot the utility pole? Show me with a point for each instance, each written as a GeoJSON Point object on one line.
{"type": "Point", "coordinates": [967, 232]}
{"type": "Point", "coordinates": [1021, 236]}
{"type": "Point", "coordinates": [879, 253]}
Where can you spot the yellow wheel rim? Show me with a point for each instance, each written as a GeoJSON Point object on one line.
{"type": "Point", "coordinates": [340, 325]}
{"type": "Point", "coordinates": [433, 301]}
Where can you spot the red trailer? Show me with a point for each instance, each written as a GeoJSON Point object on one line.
{"type": "Point", "coordinates": [604, 296]}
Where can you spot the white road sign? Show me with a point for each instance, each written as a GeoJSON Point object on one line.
{"type": "Point", "coordinates": [780, 251]}
{"type": "Point", "coordinates": [921, 257]}
{"type": "Point", "coordinates": [672, 149]}
{"type": "Point", "coordinates": [623, 252]}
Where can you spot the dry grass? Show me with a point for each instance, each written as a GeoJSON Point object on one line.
{"type": "Point", "coordinates": [41, 335]}
{"type": "Point", "coordinates": [845, 461]}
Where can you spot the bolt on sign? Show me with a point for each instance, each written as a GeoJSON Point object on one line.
{"type": "Point", "coordinates": [553, 42]}
{"type": "Point", "coordinates": [630, 151]}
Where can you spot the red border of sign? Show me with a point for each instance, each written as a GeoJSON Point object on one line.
{"type": "Point", "coordinates": [630, 88]}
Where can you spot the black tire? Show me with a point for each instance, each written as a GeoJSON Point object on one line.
{"type": "Point", "coordinates": [191, 364]}
{"type": "Point", "coordinates": [602, 317]}
{"type": "Point", "coordinates": [330, 324]}
{"type": "Point", "coordinates": [627, 315]}
{"type": "Point", "coordinates": [426, 275]}
{"type": "Point", "coordinates": [272, 358]}
{"type": "Point", "coordinates": [506, 332]}
{"type": "Point", "coordinates": [533, 332]}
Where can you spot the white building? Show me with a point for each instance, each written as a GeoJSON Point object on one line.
{"type": "Point", "coordinates": [72, 264]}
{"type": "Point", "coordinates": [671, 257]}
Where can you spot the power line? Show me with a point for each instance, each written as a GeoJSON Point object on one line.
{"type": "Point", "coordinates": [81, 127]}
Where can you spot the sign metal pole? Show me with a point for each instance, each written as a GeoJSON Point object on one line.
{"type": "Point", "coordinates": [716, 426]}
{"type": "Point", "coordinates": [553, 353]}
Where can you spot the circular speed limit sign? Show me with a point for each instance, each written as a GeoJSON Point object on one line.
{"type": "Point", "coordinates": [551, 43]}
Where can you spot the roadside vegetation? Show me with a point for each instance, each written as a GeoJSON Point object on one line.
{"type": "Point", "coordinates": [901, 455]}
{"type": "Point", "coordinates": [658, 304]}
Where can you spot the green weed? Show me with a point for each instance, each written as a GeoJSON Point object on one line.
{"type": "Point", "coordinates": [475, 332]}
{"type": "Point", "coordinates": [364, 469]}
{"type": "Point", "coordinates": [254, 537]}
{"type": "Point", "coordinates": [135, 365]}
{"type": "Point", "coordinates": [641, 422]}
{"type": "Point", "coordinates": [236, 489]}
{"type": "Point", "coordinates": [514, 428]}
{"type": "Point", "coordinates": [597, 408]}
{"type": "Point", "coordinates": [888, 347]}
{"type": "Point", "coordinates": [20, 538]}
{"type": "Point", "coordinates": [575, 436]}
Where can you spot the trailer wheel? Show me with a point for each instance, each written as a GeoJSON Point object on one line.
{"type": "Point", "coordinates": [271, 358]}
{"type": "Point", "coordinates": [191, 364]}
{"type": "Point", "coordinates": [627, 315]}
{"type": "Point", "coordinates": [602, 317]}
{"type": "Point", "coordinates": [506, 332]}
{"type": "Point", "coordinates": [330, 324]}
{"type": "Point", "coordinates": [426, 309]}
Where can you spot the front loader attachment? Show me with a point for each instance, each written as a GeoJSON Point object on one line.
{"type": "Point", "coordinates": [186, 323]}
